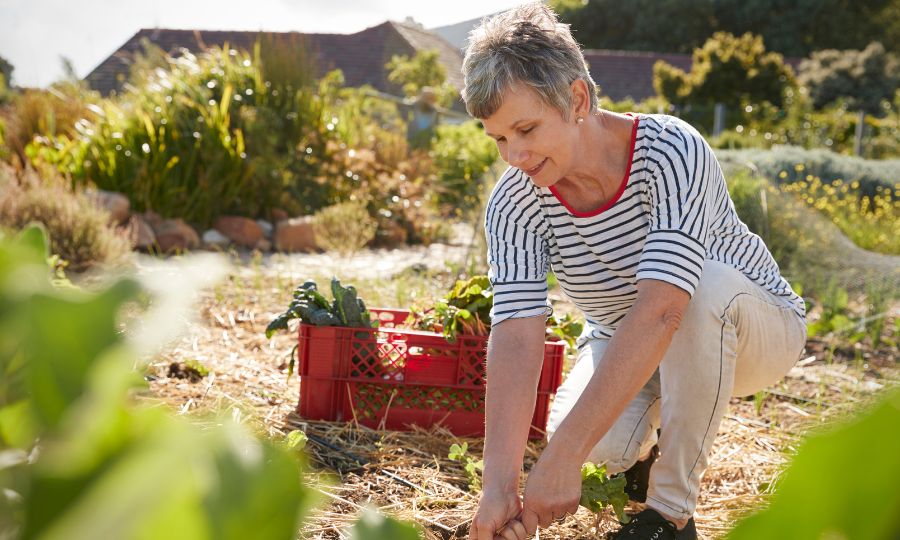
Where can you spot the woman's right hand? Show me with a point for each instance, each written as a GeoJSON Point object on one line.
{"type": "Point", "coordinates": [497, 517]}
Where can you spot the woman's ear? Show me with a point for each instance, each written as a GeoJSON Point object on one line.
{"type": "Point", "coordinates": [581, 101]}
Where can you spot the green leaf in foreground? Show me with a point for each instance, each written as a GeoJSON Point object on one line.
{"type": "Point", "coordinates": [296, 440]}
{"type": "Point", "coordinates": [841, 484]}
{"type": "Point", "coordinates": [598, 490]}
{"type": "Point", "coordinates": [374, 526]}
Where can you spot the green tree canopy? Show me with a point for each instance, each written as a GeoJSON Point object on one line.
{"type": "Point", "coordinates": [423, 69]}
{"type": "Point", "coordinates": [644, 25]}
{"type": "Point", "coordinates": [864, 78]}
{"type": "Point", "coordinates": [6, 70]}
{"type": "Point", "coordinates": [726, 69]}
{"type": "Point", "coordinates": [792, 28]}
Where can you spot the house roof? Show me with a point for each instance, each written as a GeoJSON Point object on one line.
{"type": "Point", "coordinates": [623, 74]}
{"type": "Point", "coordinates": [360, 56]}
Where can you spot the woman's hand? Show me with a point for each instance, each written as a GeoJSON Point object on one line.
{"type": "Point", "coordinates": [552, 491]}
{"type": "Point", "coordinates": [496, 517]}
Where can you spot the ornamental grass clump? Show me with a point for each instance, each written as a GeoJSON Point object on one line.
{"type": "Point", "coordinates": [345, 228]}
{"type": "Point", "coordinates": [80, 232]}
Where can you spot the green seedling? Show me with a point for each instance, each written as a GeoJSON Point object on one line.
{"type": "Point", "coordinates": [311, 307]}
{"type": "Point", "coordinates": [473, 467]}
{"type": "Point", "coordinates": [599, 490]}
{"type": "Point", "coordinates": [296, 440]}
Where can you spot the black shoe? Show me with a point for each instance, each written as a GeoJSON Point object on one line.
{"type": "Point", "coordinates": [649, 525]}
{"type": "Point", "coordinates": [637, 478]}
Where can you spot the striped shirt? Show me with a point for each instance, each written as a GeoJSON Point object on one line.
{"type": "Point", "coordinates": [672, 212]}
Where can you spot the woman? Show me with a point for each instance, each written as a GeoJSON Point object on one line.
{"type": "Point", "coordinates": [685, 307]}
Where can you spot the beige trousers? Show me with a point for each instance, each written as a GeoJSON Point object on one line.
{"type": "Point", "coordinates": [735, 339]}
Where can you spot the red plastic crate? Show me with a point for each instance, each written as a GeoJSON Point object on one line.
{"type": "Point", "coordinates": [396, 377]}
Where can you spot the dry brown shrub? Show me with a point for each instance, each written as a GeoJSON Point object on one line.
{"type": "Point", "coordinates": [80, 232]}
{"type": "Point", "coordinates": [345, 228]}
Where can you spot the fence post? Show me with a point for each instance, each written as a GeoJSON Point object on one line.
{"type": "Point", "coordinates": [719, 119]}
{"type": "Point", "coordinates": [857, 141]}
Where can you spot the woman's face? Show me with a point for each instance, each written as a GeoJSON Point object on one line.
{"type": "Point", "coordinates": [533, 136]}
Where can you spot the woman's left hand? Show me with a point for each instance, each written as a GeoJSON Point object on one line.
{"type": "Point", "coordinates": [552, 491]}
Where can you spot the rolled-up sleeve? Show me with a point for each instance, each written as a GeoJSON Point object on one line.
{"type": "Point", "coordinates": [518, 256]}
{"type": "Point", "coordinates": [680, 210]}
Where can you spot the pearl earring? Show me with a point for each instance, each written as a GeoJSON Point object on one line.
{"type": "Point", "coordinates": [579, 120]}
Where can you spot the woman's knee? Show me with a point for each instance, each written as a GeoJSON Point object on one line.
{"type": "Point", "coordinates": [617, 454]}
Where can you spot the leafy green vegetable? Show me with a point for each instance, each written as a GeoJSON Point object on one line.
{"type": "Point", "coordinates": [599, 490]}
{"type": "Point", "coordinates": [566, 328]}
{"type": "Point", "coordinates": [466, 309]}
{"type": "Point", "coordinates": [311, 307]}
{"type": "Point", "coordinates": [350, 310]}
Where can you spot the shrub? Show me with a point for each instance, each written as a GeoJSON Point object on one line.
{"type": "Point", "coordinates": [788, 164]}
{"type": "Point", "coordinates": [345, 227]}
{"type": "Point", "coordinates": [773, 217]}
{"type": "Point", "coordinates": [864, 78]}
{"type": "Point", "coordinates": [462, 155]}
{"type": "Point", "coordinates": [422, 70]}
{"type": "Point", "coordinates": [80, 233]}
{"type": "Point", "coordinates": [726, 69]}
{"type": "Point", "coordinates": [808, 243]}
{"type": "Point", "coordinates": [871, 222]}
{"type": "Point", "coordinates": [170, 143]}
{"type": "Point", "coordinates": [199, 136]}
{"type": "Point", "coordinates": [58, 110]}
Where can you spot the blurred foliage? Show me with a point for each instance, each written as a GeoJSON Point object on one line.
{"type": "Point", "coordinates": [726, 69]}
{"type": "Point", "coordinates": [422, 70]}
{"type": "Point", "coordinates": [344, 227]}
{"type": "Point", "coordinates": [80, 232]}
{"type": "Point", "coordinates": [57, 111]}
{"type": "Point", "coordinates": [813, 241]}
{"type": "Point", "coordinates": [5, 94]}
{"type": "Point", "coordinates": [82, 460]}
{"type": "Point", "coordinates": [789, 164]}
{"type": "Point", "coordinates": [797, 122]}
{"type": "Point", "coordinates": [871, 222]}
{"type": "Point", "coordinates": [6, 69]}
{"type": "Point", "coordinates": [865, 78]}
{"type": "Point", "coordinates": [811, 501]}
{"type": "Point", "coordinates": [462, 155]}
{"type": "Point", "coordinates": [802, 26]}
{"type": "Point", "coordinates": [229, 132]}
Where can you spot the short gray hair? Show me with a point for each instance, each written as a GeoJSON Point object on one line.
{"type": "Point", "coordinates": [525, 45]}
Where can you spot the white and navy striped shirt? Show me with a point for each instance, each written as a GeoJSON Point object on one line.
{"type": "Point", "coordinates": [671, 212]}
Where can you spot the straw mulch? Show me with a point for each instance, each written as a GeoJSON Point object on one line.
{"type": "Point", "coordinates": [408, 474]}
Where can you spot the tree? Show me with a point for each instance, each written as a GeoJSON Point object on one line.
{"type": "Point", "coordinates": [422, 70]}
{"type": "Point", "coordinates": [864, 78]}
{"type": "Point", "coordinates": [6, 70]}
{"type": "Point", "coordinates": [644, 25]}
{"type": "Point", "coordinates": [794, 28]}
{"type": "Point", "coordinates": [727, 69]}
{"type": "Point", "coordinates": [803, 26]}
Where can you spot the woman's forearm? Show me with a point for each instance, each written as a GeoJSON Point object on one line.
{"type": "Point", "coordinates": [515, 356]}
